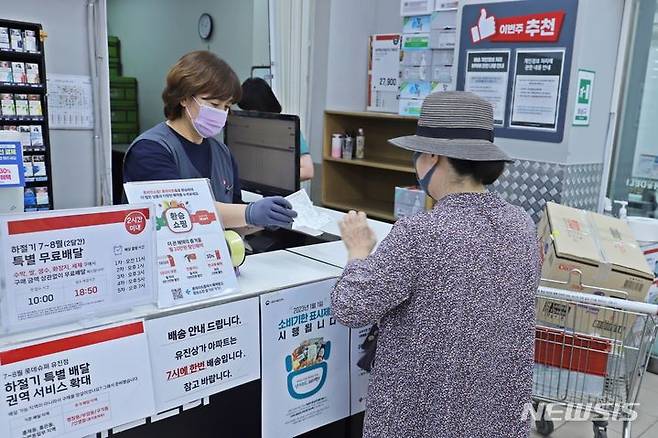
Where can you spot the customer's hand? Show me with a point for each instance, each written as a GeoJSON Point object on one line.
{"type": "Point", "coordinates": [274, 211]}
{"type": "Point", "coordinates": [358, 237]}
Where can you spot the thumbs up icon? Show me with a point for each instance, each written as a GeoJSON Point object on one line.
{"type": "Point", "coordinates": [485, 28]}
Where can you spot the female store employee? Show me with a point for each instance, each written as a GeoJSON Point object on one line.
{"type": "Point", "coordinates": [200, 88]}
{"type": "Point", "coordinates": [258, 96]}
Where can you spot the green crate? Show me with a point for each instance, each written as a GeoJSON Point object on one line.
{"type": "Point", "coordinates": [123, 88]}
{"type": "Point", "coordinates": [128, 127]}
{"type": "Point", "coordinates": [118, 115]}
{"type": "Point", "coordinates": [124, 137]}
{"type": "Point", "coordinates": [123, 105]}
{"type": "Point", "coordinates": [114, 47]}
{"type": "Point", "coordinates": [115, 69]}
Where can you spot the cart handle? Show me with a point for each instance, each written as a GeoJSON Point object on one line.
{"type": "Point", "coordinates": [597, 300]}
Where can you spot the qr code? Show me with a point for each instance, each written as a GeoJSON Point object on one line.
{"type": "Point", "coordinates": [177, 294]}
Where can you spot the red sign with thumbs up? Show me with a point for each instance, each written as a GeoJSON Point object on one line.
{"type": "Point", "coordinates": [536, 28]}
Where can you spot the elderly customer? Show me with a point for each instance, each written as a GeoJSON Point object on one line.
{"type": "Point", "coordinates": [453, 289]}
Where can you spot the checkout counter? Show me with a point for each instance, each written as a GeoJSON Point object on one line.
{"type": "Point", "coordinates": [235, 412]}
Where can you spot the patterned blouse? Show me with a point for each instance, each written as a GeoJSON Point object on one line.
{"type": "Point", "coordinates": [454, 291]}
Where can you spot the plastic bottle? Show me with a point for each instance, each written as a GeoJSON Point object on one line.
{"type": "Point", "coordinates": [348, 147]}
{"type": "Point", "coordinates": [623, 214]}
{"type": "Point", "coordinates": [360, 144]}
{"type": "Point", "coordinates": [337, 145]}
{"type": "Point", "coordinates": [607, 207]}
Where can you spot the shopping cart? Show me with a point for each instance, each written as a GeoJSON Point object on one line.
{"type": "Point", "coordinates": [591, 353]}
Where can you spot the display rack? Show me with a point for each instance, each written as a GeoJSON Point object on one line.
{"type": "Point", "coordinates": [368, 184]}
{"type": "Point", "coordinates": [37, 155]}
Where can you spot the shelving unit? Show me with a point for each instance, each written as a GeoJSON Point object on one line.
{"type": "Point", "coordinates": [369, 184]}
{"type": "Point", "coordinates": [35, 186]}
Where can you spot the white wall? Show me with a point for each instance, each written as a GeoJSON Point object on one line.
{"type": "Point", "coordinates": [261, 33]}
{"type": "Point", "coordinates": [72, 153]}
{"type": "Point", "coordinates": [351, 23]}
{"type": "Point", "coordinates": [155, 33]}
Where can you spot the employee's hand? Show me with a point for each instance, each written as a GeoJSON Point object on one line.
{"type": "Point", "coordinates": [274, 211]}
{"type": "Point", "coordinates": [358, 237]}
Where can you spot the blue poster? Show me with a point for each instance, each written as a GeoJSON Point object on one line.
{"type": "Point", "coordinates": [12, 173]}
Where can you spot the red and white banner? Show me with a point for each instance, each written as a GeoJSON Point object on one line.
{"type": "Point", "coordinates": [543, 27]}
{"type": "Point", "coordinates": [76, 385]}
{"type": "Point", "coordinates": [62, 266]}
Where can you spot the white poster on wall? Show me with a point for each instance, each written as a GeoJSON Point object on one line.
{"type": "Point", "coordinates": [70, 102]}
{"type": "Point", "coordinates": [203, 352]}
{"type": "Point", "coordinates": [537, 89]}
{"type": "Point", "coordinates": [193, 259]}
{"type": "Point", "coordinates": [76, 385]}
{"type": "Point", "coordinates": [305, 361]}
{"type": "Point", "coordinates": [487, 76]}
{"type": "Point", "coordinates": [62, 266]}
{"type": "Point", "coordinates": [359, 378]}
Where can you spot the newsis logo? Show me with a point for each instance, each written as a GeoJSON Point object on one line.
{"type": "Point", "coordinates": [598, 411]}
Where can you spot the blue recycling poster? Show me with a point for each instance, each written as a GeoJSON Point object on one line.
{"type": "Point", "coordinates": [12, 173]}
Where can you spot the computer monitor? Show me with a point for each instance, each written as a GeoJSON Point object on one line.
{"type": "Point", "coordinates": [266, 147]}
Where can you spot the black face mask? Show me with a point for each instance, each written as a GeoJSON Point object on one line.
{"type": "Point", "coordinates": [424, 182]}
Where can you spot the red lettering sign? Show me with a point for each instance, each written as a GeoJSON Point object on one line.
{"type": "Point", "coordinates": [536, 28]}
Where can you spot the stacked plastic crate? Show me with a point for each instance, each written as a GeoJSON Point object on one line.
{"type": "Point", "coordinates": [428, 51]}
{"type": "Point", "coordinates": [123, 98]}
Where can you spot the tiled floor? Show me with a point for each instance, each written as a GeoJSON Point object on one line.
{"type": "Point", "coordinates": [646, 425]}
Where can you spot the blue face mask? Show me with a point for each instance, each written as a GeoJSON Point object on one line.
{"type": "Point", "coordinates": [424, 182]}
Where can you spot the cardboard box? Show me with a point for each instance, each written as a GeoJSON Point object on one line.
{"type": "Point", "coordinates": [415, 89]}
{"type": "Point", "coordinates": [605, 251]}
{"type": "Point", "coordinates": [443, 39]}
{"type": "Point", "coordinates": [442, 5]}
{"type": "Point", "coordinates": [408, 201]}
{"type": "Point", "coordinates": [444, 20]}
{"type": "Point", "coordinates": [443, 57]}
{"type": "Point", "coordinates": [416, 24]}
{"type": "Point", "coordinates": [416, 41]}
{"type": "Point", "coordinates": [417, 58]}
{"type": "Point", "coordinates": [416, 7]}
{"type": "Point", "coordinates": [416, 73]}
{"type": "Point", "coordinates": [410, 107]}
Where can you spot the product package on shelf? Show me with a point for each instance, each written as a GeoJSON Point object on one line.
{"type": "Point", "coordinates": [39, 166]}
{"type": "Point", "coordinates": [441, 5]}
{"type": "Point", "coordinates": [5, 44]}
{"type": "Point", "coordinates": [18, 69]}
{"type": "Point", "coordinates": [22, 105]}
{"type": "Point", "coordinates": [6, 73]}
{"type": "Point", "coordinates": [16, 39]}
{"type": "Point", "coordinates": [416, 24]}
{"type": "Point", "coordinates": [27, 167]}
{"type": "Point", "coordinates": [36, 136]}
{"type": "Point", "coordinates": [410, 107]}
{"type": "Point", "coordinates": [416, 7]}
{"type": "Point", "coordinates": [26, 141]}
{"type": "Point", "coordinates": [32, 73]}
{"type": "Point", "coordinates": [416, 73]}
{"type": "Point", "coordinates": [7, 104]}
{"type": "Point", "coordinates": [34, 101]}
{"type": "Point", "coordinates": [417, 58]}
{"type": "Point", "coordinates": [408, 201]}
{"type": "Point", "coordinates": [30, 41]}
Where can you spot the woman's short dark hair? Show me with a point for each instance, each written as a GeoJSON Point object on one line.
{"type": "Point", "coordinates": [484, 172]}
{"type": "Point", "coordinates": [197, 73]}
{"type": "Point", "coordinates": [258, 96]}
